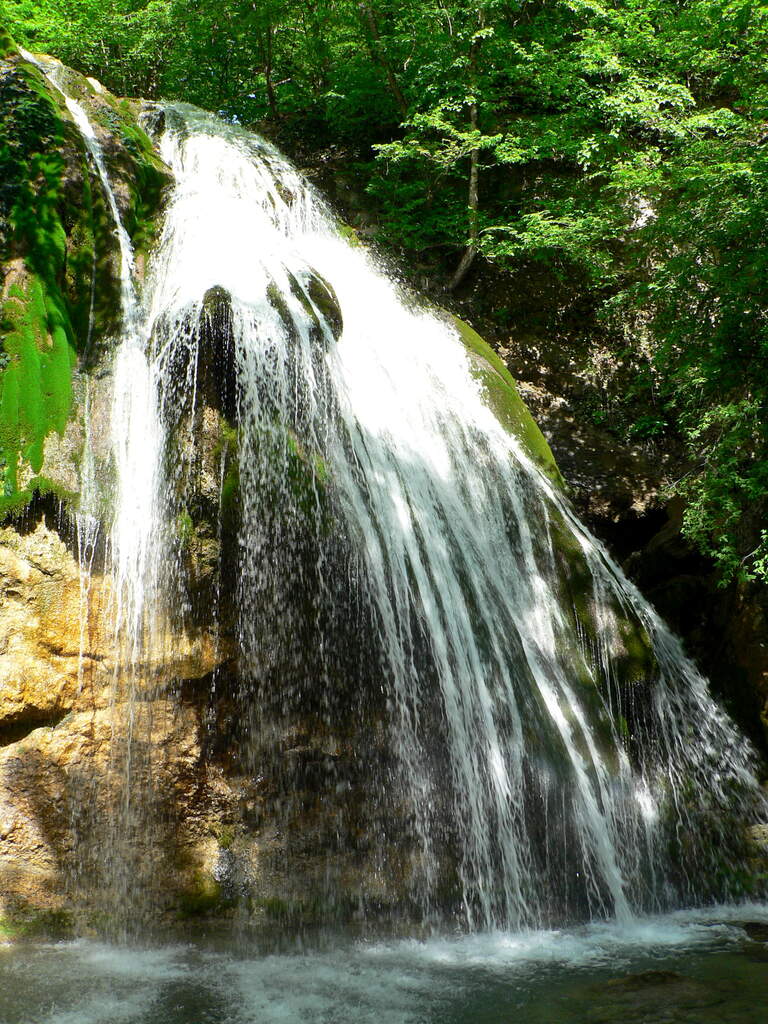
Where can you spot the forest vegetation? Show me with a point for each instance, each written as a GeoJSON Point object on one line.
{"type": "Point", "coordinates": [619, 145]}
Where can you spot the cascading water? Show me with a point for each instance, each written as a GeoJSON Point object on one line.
{"type": "Point", "coordinates": [553, 752]}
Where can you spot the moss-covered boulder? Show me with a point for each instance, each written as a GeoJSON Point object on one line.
{"type": "Point", "coordinates": [502, 398]}
{"type": "Point", "coordinates": [217, 361]}
{"type": "Point", "coordinates": [59, 260]}
{"type": "Point", "coordinates": [597, 621]}
{"type": "Point", "coordinates": [318, 303]}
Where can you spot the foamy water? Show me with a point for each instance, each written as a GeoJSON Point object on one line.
{"type": "Point", "coordinates": [540, 976]}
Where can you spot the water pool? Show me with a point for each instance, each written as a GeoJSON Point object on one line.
{"type": "Point", "coordinates": [702, 967]}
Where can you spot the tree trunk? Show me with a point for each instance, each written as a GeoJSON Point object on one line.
{"type": "Point", "coordinates": [473, 206]}
{"type": "Point", "coordinates": [379, 54]}
{"type": "Point", "coordinates": [271, 97]}
{"type": "Point", "coordinates": [473, 203]}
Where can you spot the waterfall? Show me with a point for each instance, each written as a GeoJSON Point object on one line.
{"type": "Point", "coordinates": [401, 566]}
{"type": "Point", "coordinates": [557, 753]}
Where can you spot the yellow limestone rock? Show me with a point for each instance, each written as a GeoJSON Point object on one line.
{"type": "Point", "coordinates": [67, 726]}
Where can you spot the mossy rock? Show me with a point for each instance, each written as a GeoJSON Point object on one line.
{"type": "Point", "coordinates": [7, 46]}
{"type": "Point", "coordinates": [37, 378]}
{"type": "Point", "coordinates": [300, 475]}
{"type": "Point", "coordinates": [228, 445]}
{"type": "Point", "coordinates": [502, 398]}
{"type": "Point", "coordinates": [144, 173]}
{"type": "Point", "coordinates": [324, 299]}
{"type": "Point", "coordinates": [319, 302]}
{"type": "Point", "coordinates": [23, 925]}
{"type": "Point", "coordinates": [309, 910]}
{"type": "Point", "coordinates": [59, 258]}
{"type": "Point", "coordinates": [153, 119]}
{"type": "Point", "coordinates": [129, 152]}
{"type": "Point", "coordinates": [203, 896]}
{"type": "Point", "coordinates": [350, 234]}
{"type": "Point", "coordinates": [39, 345]}
{"type": "Point", "coordinates": [217, 360]}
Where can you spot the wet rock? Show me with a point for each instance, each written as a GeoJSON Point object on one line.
{"type": "Point", "coordinates": [321, 312]}
{"type": "Point", "coordinates": [43, 633]}
{"type": "Point", "coordinates": [756, 930]}
{"type": "Point", "coordinates": [287, 830]}
{"type": "Point", "coordinates": [63, 788]}
{"type": "Point", "coordinates": [620, 490]}
{"type": "Point", "coordinates": [501, 396]}
{"type": "Point", "coordinates": [758, 836]}
{"type": "Point", "coordinates": [63, 715]}
{"type": "Point", "coordinates": [324, 299]}
{"type": "Point", "coordinates": [152, 119]}
{"type": "Point", "coordinates": [653, 995]}
{"type": "Point", "coordinates": [217, 361]}
{"type": "Point", "coordinates": [60, 265]}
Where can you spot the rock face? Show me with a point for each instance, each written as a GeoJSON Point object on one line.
{"type": "Point", "coordinates": [70, 722]}
{"type": "Point", "coordinates": [109, 777]}
{"type": "Point", "coordinates": [64, 712]}
{"type": "Point", "coordinates": [47, 654]}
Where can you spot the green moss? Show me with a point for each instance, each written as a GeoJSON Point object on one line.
{"type": "Point", "coordinates": [316, 297]}
{"type": "Point", "coordinates": [149, 176]}
{"type": "Point", "coordinates": [66, 297]}
{"type": "Point", "coordinates": [633, 659]}
{"type": "Point", "coordinates": [227, 446]}
{"type": "Point", "coordinates": [278, 303]}
{"type": "Point", "coordinates": [638, 662]}
{"type": "Point", "coordinates": [301, 474]}
{"type": "Point", "coordinates": [504, 401]}
{"type": "Point", "coordinates": [230, 488]}
{"type": "Point", "coordinates": [633, 663]}
{"type": "Point", "coordinates": [202, 896]}
{"type": "Point", "coordinates": [7, 46]}
{"type": "Point", "coordinates": [306, 474]}
{"type": "Point", "coordinates": [14, 506]}
{"type": "Point", "coordinates": [275, 908]}
{"type": "Point", "coordinates": [325, 301]}
{"type": "Point", "coordinates": [225, 837]}
{"type": "Point", "coordinates": [313, 909]}
{"type": "Point", "coordinates": [142, 224]}
{"type": "Point", "coordinates": [36, 385]}
{"type": "Point", "coordinates": [350, 234]}
{"type": "Point", "coordinates": [39, 345]}
{"type": "Point", "coordinates": [184, 526]}
{"type": "Point", "coordinates": [31, 924]}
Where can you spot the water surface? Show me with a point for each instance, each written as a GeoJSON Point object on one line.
{"type": "Point", "coordinates": [702, 967]}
